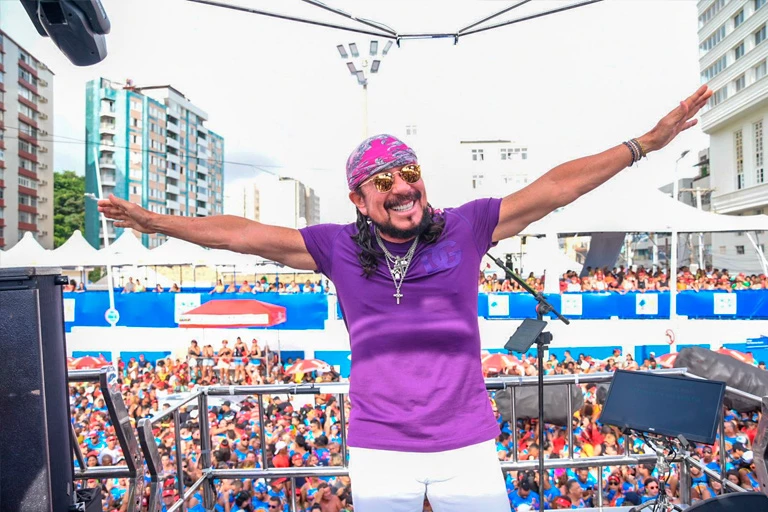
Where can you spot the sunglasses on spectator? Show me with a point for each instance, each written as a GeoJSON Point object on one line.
{"type": "Point", "coordinates": [653, 486]}
{"type": "Point", "coordinates": [384, 181]}
{"type": "Point", "coordinates": [273, 506]}
{"type": "Point", "coordinates": [613, 483]}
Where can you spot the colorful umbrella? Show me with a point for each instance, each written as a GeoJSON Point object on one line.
{"type": "Point", "coordinates": [308, 366]}
{"type": "Point", "coordinates": [233, 313]}
{"type": "Point", "coordinates": [739, 356]}
{"type": "Point", "coordinates": [89, 363]}
{"type": "Point", "coordinates": [666, 360]}
{"type": "Point", "coordinates": [496, 363]}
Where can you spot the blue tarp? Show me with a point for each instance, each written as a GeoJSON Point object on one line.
{"type": "Point", "coordinates": [303, 311]}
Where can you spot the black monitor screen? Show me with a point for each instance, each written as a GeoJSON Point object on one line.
{"type": "Point", "coordinates": [669, 405]}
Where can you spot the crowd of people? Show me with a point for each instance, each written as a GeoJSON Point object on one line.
{"type": "Point", "coordinates": [623, 280]}
{"type": "Point", "coordinates": [310, 435]}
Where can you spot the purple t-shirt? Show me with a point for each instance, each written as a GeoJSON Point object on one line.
{"type": "Point", "coordinates": [416, 382]}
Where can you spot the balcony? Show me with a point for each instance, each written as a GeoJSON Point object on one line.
{"type": "Point", "coordinates": [173, 158]}
{"type": "Point", "coordinates": [170, 142]}
{"type": "Point", "coordinates": [108, 128]}
{"type": "Point", "coordinates": [107, 112]}
{"type": "Point", "coordinates": [202, 196]}
{"type": "Point", "coordinates": [108, 179]}
{"type": "Point", "coordinates": [172, 205]}
{"type": "Point", "coordinates": [107, 146]}
{"type": "Point", "coordinates": [171, 189]}
{"type": "Point", "coordinates": [202, 169]}
{"type": "Point", "coordinates": [203, 212]}
{"type": "Point", "coordinates": [740, 200]}
{"type": "Point", "coordinates": [107, 163]}
{"type": "Point", "coordinates": [202, 153]}
{"type": "Point", "coordinates": [173, 174]}
{"type": "Point", "coordinates": [202, 184]}
{"type": "Point", "coordinates": [171, 126]}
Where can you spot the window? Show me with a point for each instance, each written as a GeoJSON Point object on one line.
{"type": "Point", "coordinates": [759, 170]}
{"type": "Point", "coordinates": [27, 129]}
{"type": "Point", "coordinates": [135, 139]}
{"type": "Point", "coordinates": [27, 200]}
{"type": "Point", "coordinates": [714, 69]}
{"type": "Point", "coordinates": [759, 4]}
{"type": "Point", "coordinates": [28, 112]}
{"type": "Point", "coordinates": [27, 94]}
{"type": "Point", "coordinates": [27, 164]}
{"type": "Point", "coordinates": [760, 35]}
{"type": "Point", "coordinates": [718, 97]}
{"type": "Point", "coordinates": [477, 180]}
{"type": "Point", "coordinates": [27, 147]}
{"type": "Point", "coordinates": [27, 218]}
{"type": "Point", "coordinates": [136, 174]}
{"type": "Point", "coordinates": [27, 76]}
{"type": "Point", "coordinates": [760, 70]}
{"type": "Point", "coordinates": [26, 182]}
{"type": "Point", "coordinates": [506, 153]}
{"type": "Point", "coordinates": [740, 83]}
{"type": "Point", "coordinates": [135, 123]}
{"type": "Point", "coordinates": [738, 52]}
{"type": "Point", "coordinates": [721, 249]}
{"type": "Point", "coordinates": [711, 11]}
{"type": "Point", "coordinates": [136, 105]}
{"type": "Point", "coordinates": [154, 177]}
{"type": "Point", "coordinates": [738, 139]}
{"type": "Point", "coordinates": [713, 40]}
{"type": "Point", "coordinates": [410, 129]}
{"type": "Point", "coordinates": [136, 157]}
{"type": "Point", "coordinates": [739, 249]}
{"type": "Point", "coordinates": [738, 19]}
{"type": "Point", "coordinates": [477, 155]}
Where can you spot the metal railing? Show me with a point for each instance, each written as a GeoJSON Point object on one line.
{"type": "Point", "coordinates": [127, 439]}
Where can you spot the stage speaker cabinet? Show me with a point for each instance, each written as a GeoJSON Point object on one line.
{"type": "Point", "coordinates": [36, 471]}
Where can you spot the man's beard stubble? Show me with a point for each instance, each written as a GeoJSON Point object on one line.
{"type": "Point", "coordinates": [406, 234]}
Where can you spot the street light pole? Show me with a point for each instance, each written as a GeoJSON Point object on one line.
{"type": "Point", "coordinates": [362, 74]}
{"type": "Point", "coordinates": [672, 262]}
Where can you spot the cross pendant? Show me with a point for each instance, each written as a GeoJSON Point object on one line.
{"type": "Point", "coordinates": [398, 295]}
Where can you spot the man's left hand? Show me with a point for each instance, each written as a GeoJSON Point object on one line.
{"type": "Point", "coordinates": [680, 119]}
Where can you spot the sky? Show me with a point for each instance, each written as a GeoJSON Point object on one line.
{"type": "Point", "coordinates": [567, 85]}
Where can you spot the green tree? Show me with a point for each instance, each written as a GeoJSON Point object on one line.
{"type": "Point", "coordinates": [68, 205]}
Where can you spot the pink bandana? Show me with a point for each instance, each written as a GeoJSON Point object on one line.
{"type": "Point", "coordinates": [377, 154]}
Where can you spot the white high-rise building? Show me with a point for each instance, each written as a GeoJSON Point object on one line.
{"type": "Point", "coordinates": [733, 52]}
{"type": "Point", "coordinates": [273, 200]}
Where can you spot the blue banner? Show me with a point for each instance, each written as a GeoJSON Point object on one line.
{"type": "Point", "coordinates": [148, 309]}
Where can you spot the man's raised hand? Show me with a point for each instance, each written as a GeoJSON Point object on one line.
{"type": "Point", "coordinates": [126, 214]}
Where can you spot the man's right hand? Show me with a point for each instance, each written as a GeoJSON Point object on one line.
{"type": "Point", "coordinates": [126, 214]}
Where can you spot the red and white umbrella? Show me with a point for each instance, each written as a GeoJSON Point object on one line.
{"type": "Point", "coordinates": [233, 313]}
{"type": "Point", "coordinates": [666, 360]}
{"type": "Point", "coordinates": [89, 363]}
{"type": "Point", "coordinates": [498, 362]}
{"type": "Point", "coordinates": [308, 366]}
{"type": "Point", "coordinates": [739, 356]}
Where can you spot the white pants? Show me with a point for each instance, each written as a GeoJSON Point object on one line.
{"type": "Point", "coordinates": [461, 480]}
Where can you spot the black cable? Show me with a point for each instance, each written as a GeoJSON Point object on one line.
{"type": "Point", "coordinates": [71, 140]}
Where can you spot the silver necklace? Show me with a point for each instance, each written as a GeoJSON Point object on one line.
{"type": "Point", "coordinates": [397, 266]}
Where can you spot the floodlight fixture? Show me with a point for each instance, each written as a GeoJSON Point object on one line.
{"type": "Point", "coordinates": [353, 49]}
{"type": "Point", "coordinates": [342, 51]}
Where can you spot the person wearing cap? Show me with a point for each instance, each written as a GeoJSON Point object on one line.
{"type": "Point", "coordinates": [280, 459]}
{"type": "Point", "coordinates": [522, 496]}
{"type": "Point", "coordinates": [407, 271]}
{"type": "Point", "coordinates": [169, 498]}
{"type": "Point", "coordinates": [613, 492]}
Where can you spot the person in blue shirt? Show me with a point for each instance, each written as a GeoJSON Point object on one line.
{"type": "Point", "coordinates": [260, 500]}
{"type": "Point", "coordinates": [95, 442]}
{"type": "Point", "coordinates": [613, 494]}
{"type": "Point", "coordinates": [523, 496]}
{"type": "Point", "coordinates": [651, 486]}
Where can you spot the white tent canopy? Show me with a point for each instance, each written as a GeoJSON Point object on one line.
{"type": "Point", "coordinates": [75, 252]}
{"type": "Point", "coordinates": [126, 250]}
{"type": "Point", "coordinates": [177, 252]}
{"type": "Point", "coordinates": [626, 204]}
{"type": "Point", "coordinates": [26, 253]}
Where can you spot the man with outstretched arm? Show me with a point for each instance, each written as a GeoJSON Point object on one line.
{"type": "Point", "coordinates": [406, 278]}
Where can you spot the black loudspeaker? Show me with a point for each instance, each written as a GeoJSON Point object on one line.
{"type": "Point", "coordinates": [734, 502]}
{"type": "Point", "coordinates": [36, 471]}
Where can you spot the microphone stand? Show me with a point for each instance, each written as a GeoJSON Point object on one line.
{"type": "Point", "coordinates": [542, 340]}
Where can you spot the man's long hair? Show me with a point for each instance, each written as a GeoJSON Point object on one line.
{"type": "Point", "coordinates": [370, 252]}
